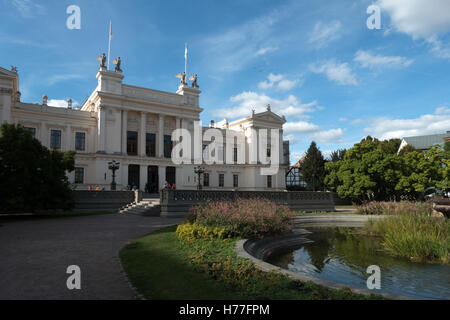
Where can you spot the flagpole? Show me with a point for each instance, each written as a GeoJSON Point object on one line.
{"type": "Point", "coordinates": [185, 59]}
{"type": "Point", "coordinates": [109, 42]}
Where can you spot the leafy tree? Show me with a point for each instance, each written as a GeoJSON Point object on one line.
{"type": "Point", "coordinates": [313, 168]}
{"type": "Point", "coordinates": [372, 170]}
{"type": "Point", "coordinates": [338, 155]}
{"type": "Point", "coordinates": [31, 176]}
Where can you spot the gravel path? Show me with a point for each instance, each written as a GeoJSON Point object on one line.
{"type": "Point", "coordinates": [35, 254]}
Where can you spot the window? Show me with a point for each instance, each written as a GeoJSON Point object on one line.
{"type": "Point", "coordinates": [32, 131]}
{"type": "Point", "coordinates": [205, 152]}
{"type": "Point", "coordinates": [55, 139]}
{"type": "Point", "coordinates": [167, 146]}
{"type": "Point", "coordinates": [150, 146]}
{"type": "Point", "coordinates": [235, 155]}
{"type": "Point", "coordinates": [221, 180]}
{"type": "Point", "coordinates": [80, 141]}
{"type": "Point", "coordinates": [206, 179]}
{"type": "Point", "coordinates": [269, 182]}
{"type": "Point", "coordinates": [79, 175]}
{"type": "Point", "coordinates": [132, 143]}
{"type": "Point", "coordinates": [269, 152]}
{"type": "Point", "coordinates": [235, 181]}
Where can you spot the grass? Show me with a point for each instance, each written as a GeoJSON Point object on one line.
{"type": "Point", "coordinates": [416, 237]}
{"type": "Point", "coordinates": [162, 267]}
{"type": "Point", "coordinates": [326, 213]}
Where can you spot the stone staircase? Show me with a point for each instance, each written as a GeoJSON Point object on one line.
{"type": "Point", "coordinates": [147, 207]}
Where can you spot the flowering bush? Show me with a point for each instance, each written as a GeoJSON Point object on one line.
{"type": "Point", "coordinates": [396, 208]}
{"type": "Point", "coordinates": [245, 218]}
{"type": "Point", "coordinates": [190, 232]}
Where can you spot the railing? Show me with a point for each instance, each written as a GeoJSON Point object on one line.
{"type": "Point", "coordinates": [178, 202]}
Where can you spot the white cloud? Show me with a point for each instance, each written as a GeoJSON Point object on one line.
{"type": "Point", "coordinates": [369, 60]}
{"type": "Point", "coordinates": [232, 49]}
{"type": "Point", "coordinates": [418, 18]}
{"type": "Point", "coordinates": [265, 50]}
{"type": "Point", "coordinates": [300, 127]}
{"type": "Point", "coordinates": [323, 34]}
{"type": "Point", "coordinates": [279, 82]}
{"type": "Point", "coordinates": [61, 103]}
{"type": "Point", "coordinates": [28, 8]}
{"type": "Point", "coordinates": [335, 71]}
{"type": "Point", "coordinates": [343, 119]}
{"type": "Point", "coordinates": [246, 101]}
{"type": "Point", "coordinates": [328, 136]}
{"type": "Point", "coordinates": [387, 128]}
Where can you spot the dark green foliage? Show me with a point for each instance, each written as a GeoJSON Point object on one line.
{"type": "Point", "coordinates": [372, 170]}
{"type": "Point", "coordinates": [31, 176]}
{"type": "Point", "coordinates": [338, 155]}
{"type": "Point", "coordinates": [313, 168]}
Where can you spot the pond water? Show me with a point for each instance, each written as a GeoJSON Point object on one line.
{"type": "Point", "coordinates": [342, 255]}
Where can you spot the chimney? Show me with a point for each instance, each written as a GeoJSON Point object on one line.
{"type": "Point", "coordinates": [212, 124]}
{"type": "Point", "coordinates": [44, 100]}
{"type": "Point", "coordinates": [69, 104]}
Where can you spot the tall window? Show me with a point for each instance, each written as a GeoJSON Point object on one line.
{"type": "Point", "coordinates": [55, 139]}
{"type": "Point", "coordinates": [80, 141]}
{"type": "Point", "coordinates": [167, 146]}
{"type": "Point", "coordinates": [235, 181]}
{"type": "Point", "coordinates": [221, 180]}
{"type": "Point", "coordinates": [79, 175]}
{"type": "Point", "coordinates": [269, 152]}
{"type": "Point", "coordinates": [32, 131]}
{"type": "Point", "coordinates": [150, 146]}
{"type": "Point", "coordinates": [206, 179]}
{"type": "Point", "coordinates": [205, 152]}
{"type": "Point", "coordinates": [132, 143]}
{"type": "Point", "coordinates": [235, 155]}
{"type": "Point", "coordinates": [269, 182]}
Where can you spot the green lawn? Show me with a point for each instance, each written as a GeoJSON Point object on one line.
{"type": "Point", "coordinates": [161, 267]}
{"type": "Point", "coordinates": [160, 270]}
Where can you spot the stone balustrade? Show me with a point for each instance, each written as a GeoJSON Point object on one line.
{"type": "Point", "coordinates": [176, 203]}
{"type": "Point", "coordinates": [104, 200]}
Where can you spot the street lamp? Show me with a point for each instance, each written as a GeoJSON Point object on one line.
{"type": "Point", "coordinates": [113, 166]}
{"type": "Point", "coordinates": [199, 171]}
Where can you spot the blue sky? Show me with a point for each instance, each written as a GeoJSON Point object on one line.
{"type": "Point", "coordinates": [315, 62]}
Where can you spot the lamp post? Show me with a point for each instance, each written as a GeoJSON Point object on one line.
{"type": "Point", "coordinates": [113, 166]}
{"type": "Point", "coordinates": [199, 171]}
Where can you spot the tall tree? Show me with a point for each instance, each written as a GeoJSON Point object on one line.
{"type": "Point", "coordinates": [31, 176]}
{"type": "Point", "coordinates": [338, 155]}
{"type": "Point", "coordinates": [313, 168]}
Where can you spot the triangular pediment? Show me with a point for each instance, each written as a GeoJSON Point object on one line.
{"type": "Point", "coordinates": [269, 116]}
{"type": "Point", "coordinates": [5, 72]}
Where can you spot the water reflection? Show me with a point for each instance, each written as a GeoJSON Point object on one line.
{"type": "Point", "coordinates": [342, 255]}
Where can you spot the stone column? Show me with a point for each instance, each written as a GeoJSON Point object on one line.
{"type": "Point", "coordinates": [143, 177]}
{"type": "Point", "coordinates": [124, 131]}
{"type": "Point", "coordinates": [6, 114]}
{"type": "Point", "coordinates": [124, 174]}
{"type": "Point", "coordinates": [69, 138]}
{"type": "Point", "coordinates": [161, 176]}
{"type": "Point", "coordinates": [143, 134]}
{"type": "Point", "coordinates": [102, 130]}
{"type": "Point", "coordinates": [161, 138]}
{"type": "Point", "coordinates": [43, 134]}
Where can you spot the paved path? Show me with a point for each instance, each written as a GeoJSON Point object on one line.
{"type": "Point", "coordinates": [34, 255]}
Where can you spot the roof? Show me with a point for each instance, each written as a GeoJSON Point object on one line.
{"type": "Point", "coordinates": [425, 142]}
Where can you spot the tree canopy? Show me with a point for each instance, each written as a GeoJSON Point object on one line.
{"type": "Point", "coordinates": [313, 168]}
{"type": "Point", "coordinates": [32, 177]}
{"type": "Point", "coordinates": [373, 170]}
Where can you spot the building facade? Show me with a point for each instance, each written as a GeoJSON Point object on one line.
{"type": "Point", "coordinates": [134, 126]}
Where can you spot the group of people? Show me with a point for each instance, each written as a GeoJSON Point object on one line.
{"type": "Point", "coordinates": [97, 188]}
{"type": "Point", "coordinates": [166, 186]}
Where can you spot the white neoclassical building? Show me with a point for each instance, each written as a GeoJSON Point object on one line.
{"type": "Point", "coordinates": [134, 125]}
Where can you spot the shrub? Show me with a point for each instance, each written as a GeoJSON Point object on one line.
{"type": "Point", "coordinates": [245, 218]}
{"type": "Point", "coordinates": [396, 208]}
{"type": "Point", "coordinates": [416, 237]}
{"type": "Point", "coordinates": [190, 232]}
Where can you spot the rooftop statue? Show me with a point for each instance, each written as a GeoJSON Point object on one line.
{"type": "Point", "coordinates": [102, 60]}
{"type": "Point", "coordinates": [182, 77]}
{"type": "Point", "coordinates": [117, 62]}
{"type": "Point", "coordinates": [194, 81]}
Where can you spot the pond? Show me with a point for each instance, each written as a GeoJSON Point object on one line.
{"type": "Point", "coordinates": [342, 255]}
